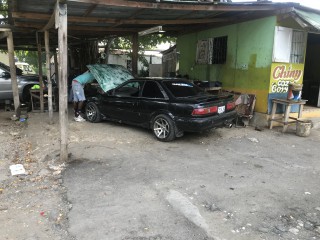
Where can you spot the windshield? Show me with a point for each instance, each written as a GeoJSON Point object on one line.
{"type": "Point", "coordinates": [182, 88]}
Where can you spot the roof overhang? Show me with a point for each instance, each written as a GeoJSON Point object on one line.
{"type": "Point", "coordinates": [308, 19]}
{"type": "Point", "coordinates": [99, 19]}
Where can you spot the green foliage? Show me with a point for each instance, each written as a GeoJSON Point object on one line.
{"type": "Point", "coordinates": [31, 57]}
{"type": "Point", "coordinates": [4, 8]}
{"type": "Point", "coordinates": [147, 42]}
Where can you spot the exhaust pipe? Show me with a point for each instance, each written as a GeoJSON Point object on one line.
{"type": "Point", "coordinates": [228, 124]}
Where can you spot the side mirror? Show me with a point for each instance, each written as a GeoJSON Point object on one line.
{"type": "Point", "coordinates": [5, 75]}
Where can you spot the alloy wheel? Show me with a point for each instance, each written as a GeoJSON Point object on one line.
{"type": "Point", "coordinates": [91, 112]}
{"type": "Point", "coordinates": [161, 128]}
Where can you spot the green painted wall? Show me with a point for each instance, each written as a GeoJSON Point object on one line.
{"type": "Point", "coordinates": [249, 58]}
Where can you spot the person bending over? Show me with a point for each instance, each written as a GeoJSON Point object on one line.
{"type": "Point", "coordinates": [78, 93]}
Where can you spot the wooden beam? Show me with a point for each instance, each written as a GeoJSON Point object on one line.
{"type": "Point", "coordinates": [51, 21]}
{"type": "Point", "coordinates": [3, 35]}
{"type": "Point", "coordinates": [5, 27]}
{"type": "Point", "coordinates": [186, 15]}
{"type": "Point", "coordinates": [24, 48]}
{"type": "Point", "coordinates": [89, 10]}
{"type": "Point", "coordinates": [13, 73]}
{"type": "Point", "coordinates": [103, 29]}
{"type": "Point", "coordinates": [61, 24]}
{"type": "Point", "coordinates": [130, 20]}
{"type": "Point", "coordinates": [135, 49]}
{"type": "Point", "coordinates": [56, 67]}
{"type": "Point", "coordinates": [174, 22]}
{"type": "Point", "coordinates": [182, 6]}
{"type": "Point", "coordinates": [40, 73]}
{"type": "Point", "coordinates": [136, 13]}
{"type": "Point", "coordinates": [36, 26]}
{"type": "Point", "coordinates": [48, 68]}
{"type": "Point", "coordinates": [12, 5]}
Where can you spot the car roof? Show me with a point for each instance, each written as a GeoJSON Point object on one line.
{"type": "Point", "coordinates": [159, 79]}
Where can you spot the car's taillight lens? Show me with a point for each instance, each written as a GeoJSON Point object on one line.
{"type": "Point", "coordinates": [204, 111]}
{"type": "Point", "coordinates": [231, 105]}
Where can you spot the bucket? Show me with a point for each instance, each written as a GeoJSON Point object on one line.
{"type": "Point", "coordinates": [303, 127]}
{"type": "Point", "coordinates": [294, 91]}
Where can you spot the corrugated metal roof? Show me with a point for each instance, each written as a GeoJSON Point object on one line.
{"type": "Point", "coordinates": [311, 19]}
{"type": "Point", "coordinates": [99, 19]}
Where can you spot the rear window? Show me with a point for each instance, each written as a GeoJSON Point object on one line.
{"type": "Point", "coordinates": [182, 88]}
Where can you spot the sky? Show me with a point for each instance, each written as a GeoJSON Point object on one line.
{"type": "Point", "coordinates": [308, 3]}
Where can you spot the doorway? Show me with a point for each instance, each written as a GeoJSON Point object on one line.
{"type": "Point", "coordinates": [311, 78]}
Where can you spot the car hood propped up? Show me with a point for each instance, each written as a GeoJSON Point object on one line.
{"type": "Point", "coordinates": [109, 76]}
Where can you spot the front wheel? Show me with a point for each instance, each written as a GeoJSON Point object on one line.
{"type": "Point", "coordinates": [93, 112]}
{"type": "Point", "coordinates": [163, 128]}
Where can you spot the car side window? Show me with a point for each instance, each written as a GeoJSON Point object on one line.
{"type": "Point", "coordinates": [151, 90]}
{"type": "Point", "coordinates": [130, 89]}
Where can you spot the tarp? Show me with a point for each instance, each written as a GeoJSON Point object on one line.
{"type": "Point", "coordinates": [311, 18]}
{"type": "Point", "coordinates": [109, 76]}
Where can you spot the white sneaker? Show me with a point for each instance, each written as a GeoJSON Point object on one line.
{"type": "Point", "coordinates": [79, 119]}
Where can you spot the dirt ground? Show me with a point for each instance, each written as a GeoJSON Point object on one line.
{"type": "Point", "coordinates": [120, 183]}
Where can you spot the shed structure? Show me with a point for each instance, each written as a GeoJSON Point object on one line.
{"type": "Point", "coordinates": [70, 22]}
{"type": "Point", "coordinates": [261, 57]}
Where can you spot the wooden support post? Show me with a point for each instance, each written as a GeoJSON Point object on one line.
{"type": "Point", "coordinates": [135, 48]}
{"type": "Point", "coordinates": [46, 41]}
{"type": "Point", "coordinates": [40, 73]}
{"type": "Point", "coordinates": [61, 23]}
{"type": "Point", "coordinates": [13, 72]}
{"type": "Point", "coordinates": [56, 67]}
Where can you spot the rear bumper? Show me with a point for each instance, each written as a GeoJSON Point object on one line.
{"type": "Point", "coordinates": [206, 123]}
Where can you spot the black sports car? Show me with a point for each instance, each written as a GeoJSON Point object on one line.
{"type": "Point", "coordinates": [167, 106]}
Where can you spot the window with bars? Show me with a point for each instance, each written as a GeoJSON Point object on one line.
{"type": "Point", "coordinates": [219, 50]}
{"type": "Point", "coordinates": [289, 45]}
{"type": "Point", "coordinates": [297, 47]}
{"type": "Point", "coordinates": [212, 50]}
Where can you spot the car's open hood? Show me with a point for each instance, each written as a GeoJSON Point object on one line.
{"type": "Point", "coordinates": [109, 76]}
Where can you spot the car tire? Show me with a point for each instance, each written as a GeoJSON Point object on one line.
{"type": "Point", "coordinates": [92, 112]}
{"type": "Point", "coordinates": [163, 128]}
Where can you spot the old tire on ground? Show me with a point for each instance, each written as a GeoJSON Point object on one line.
{"type": "Point", "coordinates": [93, 112]}
{"type": "Point", "coordinates": [163, 128]}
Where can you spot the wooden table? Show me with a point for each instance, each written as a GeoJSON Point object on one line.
{"type": "Point", "coordinates": [285, 118]}
{"type": "Point", "coordinates": [35, 99]}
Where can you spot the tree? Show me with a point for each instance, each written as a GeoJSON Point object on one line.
{"type": "Point", "coordinates": [3, 12]}
{"type": "Point", "coordinates": [147, 42]}
{"type": "Point", "coordinates": [31, 57]}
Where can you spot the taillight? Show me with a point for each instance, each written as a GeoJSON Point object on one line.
{"type": "Point", "coordinates": [204, 111]}
{"type": "Point", "coordinates": [231, 105]}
